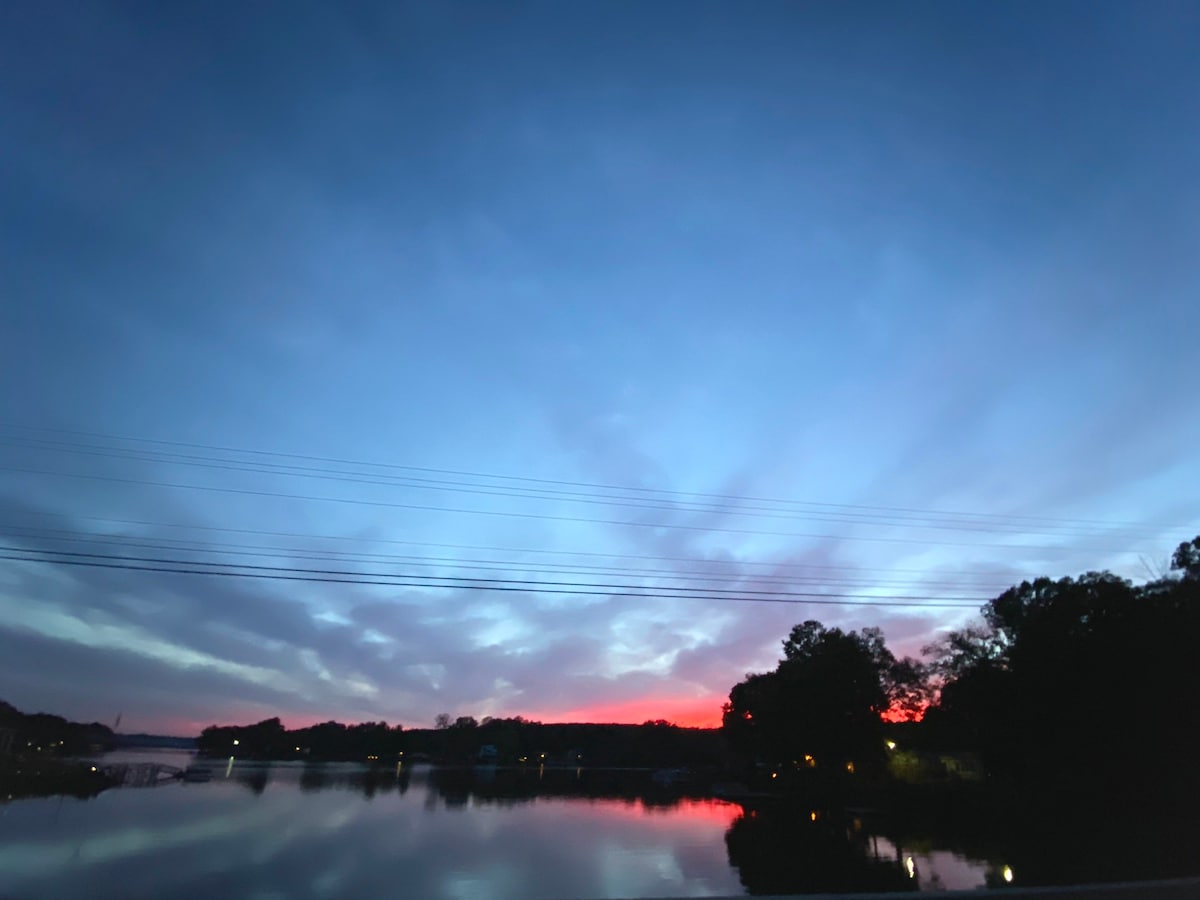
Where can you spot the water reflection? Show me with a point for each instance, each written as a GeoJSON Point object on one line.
{"type": "Point", "coordinates": [779, 850]}
{"type": "Point", "coordinates": [254, 777]}
{"type": "Point", "coordinates": [341, 830]}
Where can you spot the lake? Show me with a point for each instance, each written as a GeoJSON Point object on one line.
{"type": "Point", "coordinates": [339, 830]}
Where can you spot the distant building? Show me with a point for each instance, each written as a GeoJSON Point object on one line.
{"type": "Point", "coordinates": [488, 753]}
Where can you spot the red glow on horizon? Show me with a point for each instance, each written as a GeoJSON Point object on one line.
{"type": "Point", "coordinates": [688, 712]}
{"type": "Point", "coordinates": [685, 712]}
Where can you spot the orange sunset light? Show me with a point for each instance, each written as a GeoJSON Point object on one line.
{"type": "Point", "coordinates": [690, 712]}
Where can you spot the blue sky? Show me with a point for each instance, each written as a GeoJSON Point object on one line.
{"type": "Point", "coordinates": [937, 257]}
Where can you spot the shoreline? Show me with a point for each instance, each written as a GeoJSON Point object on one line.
{"type": "Point", "coordinates": [23, 778]}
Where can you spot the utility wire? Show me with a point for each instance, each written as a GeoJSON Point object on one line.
{"type": "Point", "coordinates": [889, 520]}
{"type": "Point", "coordinates": [573, 484]}
{"type": "Point", "coordinates": [698, 561]}
{"type": "Point", "coordinates": [185, 567]}
{"type": "Point", "coordinates": [524, 515]}
{"type": "Point", "coordinates": [740, 510]}
{"type": "Point", "coordinates": [487, 565]}
{"type": "Point", "coordinates": [437, 580]}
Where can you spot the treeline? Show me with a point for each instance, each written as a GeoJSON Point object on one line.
{"type": "Point", "coordinates": [49, 735]}
{"type": "Point", "coordinates": [1079, 680]}
{"type": "Point", "coordinates": [1063, 684]}
{"type": "Point", "coordinates": [503, 741]}
{"type": "Point", "coordinates": [35, 750]}
{"type": "Point", "coordinates": [329, 740]}
{"type": "Point", "coordinates": [517, 740]}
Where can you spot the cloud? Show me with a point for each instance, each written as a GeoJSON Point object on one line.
{"type": "Point", "coordinates": [497, 253]}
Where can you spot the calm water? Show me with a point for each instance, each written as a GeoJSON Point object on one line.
{"type": "Point", "coordinates": [290, 830]}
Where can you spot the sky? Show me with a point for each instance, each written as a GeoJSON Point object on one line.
{"type": "Point", "coordinates": [831, 304]}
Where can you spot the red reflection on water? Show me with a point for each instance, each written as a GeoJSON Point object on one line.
{"type": "Point", "coordinates": [708, 813]}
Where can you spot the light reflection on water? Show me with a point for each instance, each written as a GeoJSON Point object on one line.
{"type": "Point", "coordinates": [336, 831]}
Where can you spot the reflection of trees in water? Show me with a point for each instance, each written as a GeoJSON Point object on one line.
{"type": "Point", "coordinates": [254, 777]}
{"type": "Point", "coordinates": [507, 787]}
{"type": "Point", "coordinates": [781, 850]}
{"type": "Point", "coordinates": [315, 777]}
{"type": "Point", "coordinates": [319, 776]}
{"type": "Point", "coordinates": [1045, 842]}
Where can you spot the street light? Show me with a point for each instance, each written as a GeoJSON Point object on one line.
{"type": "Point", "coordinates": [235, 742]}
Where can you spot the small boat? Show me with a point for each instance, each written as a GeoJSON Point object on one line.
{"type": "Point", "coordinates": [196, 773]}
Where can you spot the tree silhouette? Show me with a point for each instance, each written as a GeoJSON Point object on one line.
{"type": "Point", "coordinates": [1186, 559]}
{"type": "Point", "coordinates": [1079, 679]}
{"type": "Point", "coordinates": [825, 700]}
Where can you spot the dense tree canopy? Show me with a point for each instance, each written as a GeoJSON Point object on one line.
{"type": "Point", "coordinates": [1186, 560]}
{"type": "Point", "coordinates": [825, 701]}
{"type": "Point", "coordinates": [51, 734]}
{"type": "Point", "coordinates": [1082, 677]}
{"type": "Point", "coordinates": [511, 741]}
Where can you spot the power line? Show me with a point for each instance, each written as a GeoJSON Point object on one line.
{"type": "Point", "coordinates": [524, 515]}
{"type": "Point", "coordinates": [308, 555]}
{"type": "Point", "coordinates": [436, 580]}
{"type": "Point", "coordinates": [281, 573]}
{"type": "Point", "coordinates": [693, 560]}
{"type": "Point", "coordinates": [288, 471]}
{"type": "Point", "coordinates": [574, 484]}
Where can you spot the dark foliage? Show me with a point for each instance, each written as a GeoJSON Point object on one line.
{"type": "Point", "coordinates": [823, 704]}
{"type": "Point", "coordinates": [329, 740]}
{"type": "Point", "coordinates": [512, 741]}
{"type": "Point", "coordinates": [1079, 680]}
{"type": "Point", "coordinates": [42, 733]}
